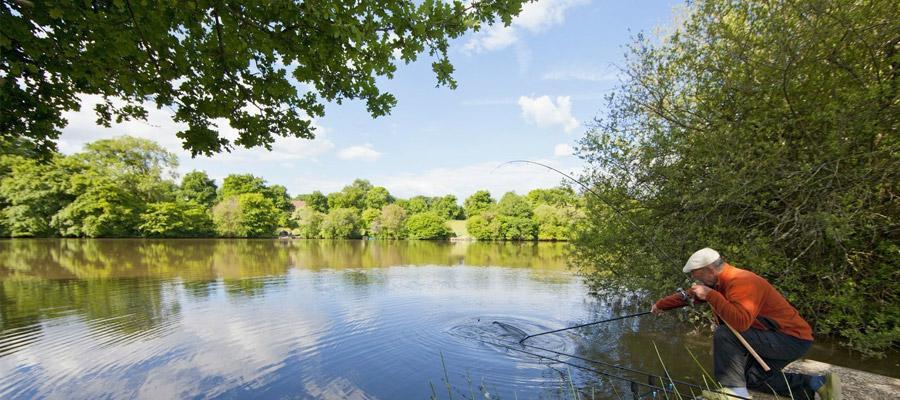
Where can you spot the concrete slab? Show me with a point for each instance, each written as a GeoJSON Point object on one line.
{"type": "Point", "coordinates": [856, 384]}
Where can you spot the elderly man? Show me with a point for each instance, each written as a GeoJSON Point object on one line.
{"type": "Point", "coordinates": [770, 324]}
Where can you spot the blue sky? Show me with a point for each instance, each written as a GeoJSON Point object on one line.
{"type": "Point", "coordinates": [525, 92]}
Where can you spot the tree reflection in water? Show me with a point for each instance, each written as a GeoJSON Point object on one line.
{"type": "Point", "coordinates": [129, 286]}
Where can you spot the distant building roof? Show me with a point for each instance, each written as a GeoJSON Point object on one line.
{"type": "Point", "coordinates": [298, 204]}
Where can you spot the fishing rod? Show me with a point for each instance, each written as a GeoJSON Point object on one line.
{"type": "Point", "coordinates": [581, 367]}
{"type": "Point", "coordinates": [609, 204]}
{"type": "Point", "coordinates": [598, 362]}
{"type": "Point", "coordinates": [656, 247]}
{"type": "Point", "coordinates": [583, 325]}
{"type": "Point", "coordinates": [518, 347]}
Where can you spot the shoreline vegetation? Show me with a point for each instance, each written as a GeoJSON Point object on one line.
{"type": "Point", "coordinates": [125, 187]}
{"type": "Point", "coordinates": [768, 131]}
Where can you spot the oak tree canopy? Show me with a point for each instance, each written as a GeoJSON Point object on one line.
{"type": "Point", "coordinates": [264, 66]}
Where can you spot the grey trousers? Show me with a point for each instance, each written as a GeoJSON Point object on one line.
{"type": "Point", "coordinates": [735, 367]}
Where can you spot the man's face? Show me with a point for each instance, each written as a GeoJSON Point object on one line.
{"type": "Point", "coordinates": [706, 275]}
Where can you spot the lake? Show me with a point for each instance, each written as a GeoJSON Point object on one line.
{"type": "Point", "coordinates": [276, 319]}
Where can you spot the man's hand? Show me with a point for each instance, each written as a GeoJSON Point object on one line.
{"type": "Point", "coordinates": [656, 311]}
{"type": "Point", "coordinates": [699, 291]}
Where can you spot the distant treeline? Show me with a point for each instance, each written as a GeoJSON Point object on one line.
{"type": "Point", "coordinates": [126, 187]}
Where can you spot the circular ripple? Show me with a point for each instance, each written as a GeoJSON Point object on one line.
{"type": "Point", "coordinates": [504, 334]}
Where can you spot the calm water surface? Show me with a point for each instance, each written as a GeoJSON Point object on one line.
{"type": "Point", "coordinates": [159, 319]}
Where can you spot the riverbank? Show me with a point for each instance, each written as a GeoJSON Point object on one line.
{"type": "Point", "coordinates": [856, 384]}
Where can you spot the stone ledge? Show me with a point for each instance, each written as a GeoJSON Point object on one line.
{"type": "Point", "coordinates": [855, 384]}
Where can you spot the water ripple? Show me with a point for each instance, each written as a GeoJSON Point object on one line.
{"type": "Point", "coordinates": [358, 333]}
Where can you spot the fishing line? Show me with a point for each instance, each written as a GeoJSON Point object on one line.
{"type": "Point", "coordinates": [651, 242]}
{"type": "Point", "coordinates": [609, 204]}
{"type": "Point", "coordinates": [574, 327]}
{"type": "Point", "coordinates": [519, 348]}
{"type": "Point", "coordinates": [606, 364]}
{"type": "Point", "coordinates": [581, 367]}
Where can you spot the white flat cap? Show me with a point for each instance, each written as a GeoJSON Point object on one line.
{"type": "Point", "coordinates": [700, 259]}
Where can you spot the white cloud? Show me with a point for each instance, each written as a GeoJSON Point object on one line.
{"type": "Point", "coordinates": [291, 148]}
{"type": "Point", "coordinates": [535, 17]}
{"type": "Point", "coordinates": [221, 345]}
{"type": "Point", "coordinates": [495, 37]}
{"type": "Point", "coordinates": [542, 14]}
{"type": "Point", "coordinates": [562, 150]}
{"type": "Point", "coordinates": [303, 182]}
{"type": "Point", "coordinates": [544, 112]}
{"type": "Point", "coordinates": [82, 127]}
{"type": "Point", "coordinates": [494, 176]}
{"type": "Point", "coordinates": [364, 152]}
{"type": "Point", "coordinates": [160, 127]}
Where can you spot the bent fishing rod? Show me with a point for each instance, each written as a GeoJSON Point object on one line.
{"type": "Point", "coordinates": [583, 325]}
{"type": "Point", "coordinates": [585, 368]}
{"type": "Point", "coordinates": [609, 204]}
{"type": "Point", "coordinates": [652, 243]}
{"type": "Point", "coordinates": [521, 348]}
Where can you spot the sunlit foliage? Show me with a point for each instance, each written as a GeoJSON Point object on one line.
{"type": "Point", "coordinates": [266, 69]}
{"type": "Point", "coordinates": [766, 130]}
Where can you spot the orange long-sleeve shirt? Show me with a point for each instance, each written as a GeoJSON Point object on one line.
{"type": "Point", "coordinates": [740, 296]}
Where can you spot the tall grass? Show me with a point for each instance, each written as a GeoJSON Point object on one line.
{"type": "Point", "coordinates": [485, 394]}
{"type": "Point", "coordinates": [573, 393]}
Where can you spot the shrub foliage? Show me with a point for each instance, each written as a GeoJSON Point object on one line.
{"type": "Point", "coordinates": [767, 130]}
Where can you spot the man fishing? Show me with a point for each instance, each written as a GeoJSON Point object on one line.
{"type": "Point", "coordinates": [765, 319]}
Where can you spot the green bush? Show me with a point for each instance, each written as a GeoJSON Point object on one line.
{"type": "Point", "coordinates": [555, 222]}
{"type": "Point", "coordinates": [259, 215]}
{"type": "Point", "coordinates": [416, 205]}
{"type": "Point", "coordinates": [515, 220]}
{"type": "Point", "coordinates": [447, 207]}
{"type": "Point", "coordinates": [493, 226]}
{"type": "Point", "coordinates": [308, 221]}
{"type": "Point", "coordinates": [559, 197]}
{"type": "Point", "coordinates": [341, 223]}
{"type": "Point", "coordinates": [479, 226]}
{"type": "Point", "coordinates": [317, 201]}
{"type": "Point", "coordinates": [517, 228]}
{"type": "Point", "coordinates": [378, 197]}
{"type": "Point", "coordinates": [196, 186]}
{"type": "Point", "coordinates": [391, 224]}
{"type": "Point", "coordinates": [352, 195]}
{"type": "Point", "coordinates": [105, 209]}
{"type": "Point", "coordinates": [32, 192]}
{"type": "Point", "coordinates": [766, 130]}
{"type": "Point", "coordinates": [176, 219]}
{"type": "Point", "coordinates": [478, 202]}
{"type": "Point", "coordinates": [246, 215]}
{"type": "Point", "coordinates": [368, 221]}
{"type": "Point", "coordinates": [513, 205]}
{"type": "Point", "coordinates": [100, 192]}
{"type": "Point", "coordinates": [427, 226]}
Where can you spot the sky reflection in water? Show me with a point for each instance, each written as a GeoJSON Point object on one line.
{"type": "Point", "coordinates": [88, 319]}
{"type": "Point", "coordinates": [272, 319]}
